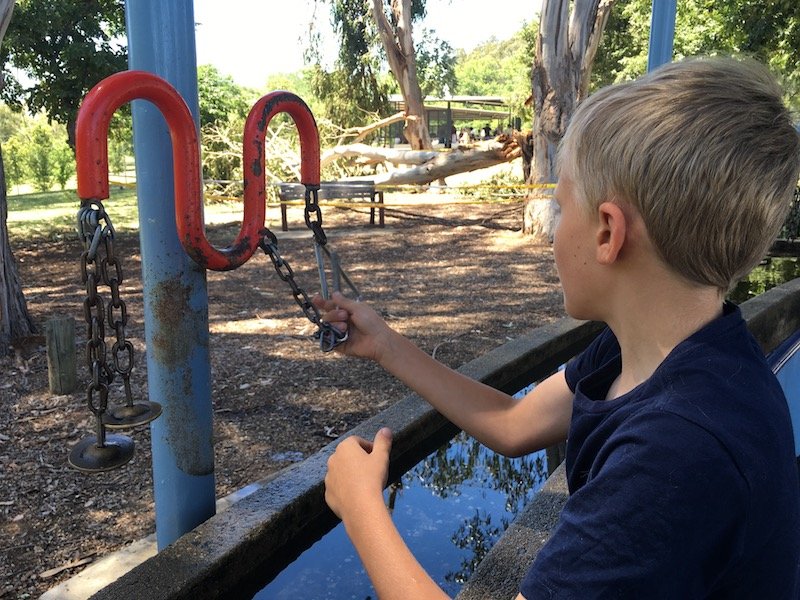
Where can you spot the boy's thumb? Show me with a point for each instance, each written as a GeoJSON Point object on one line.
{"type": "Point", "coordinates": [383, 441]}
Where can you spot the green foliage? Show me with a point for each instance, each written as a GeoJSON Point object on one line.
{"type": "Point", "coordinates": [771, 273]}
{"type": "Point", "coordinates": [298, 83]}
{"type": "Point", "coordinates": [770, 31]}
{"type": "Point", "coordinates": [223, 108]}
{"type": "Point", "coordinates": [500, 68]}
{"type": "Point", "coordinates": [11, 121]}
{"type": "Point", "coordinates": [38, 153]}
{"type": "Point", "coordinates": [436, 61]}
{"type": "Point", "coordinates": [14, 162]}
{"type": "Point", "coordinates": [358, 86]}
{"type": "Point", "coordinates": [63, 164]}
{"type": "Point", "coordinates": [220, 98]}
{"type": "Point", "coordinates": [39, 157]}
{"type": "Point", "coordinates": [65, 47]}
{"type": "Point", "coordinates": [346, 101]}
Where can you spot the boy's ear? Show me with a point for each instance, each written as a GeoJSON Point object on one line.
{"type": "Point", "coordinates": [612, 230]}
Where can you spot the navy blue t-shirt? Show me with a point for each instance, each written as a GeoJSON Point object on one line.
{"type": "Point", "coordinates": [685, 487]}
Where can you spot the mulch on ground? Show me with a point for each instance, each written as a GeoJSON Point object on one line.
{"type": "Point", "coordinates": [459, 280]}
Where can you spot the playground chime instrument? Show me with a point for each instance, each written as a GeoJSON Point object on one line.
{"type": "Point", "coordinates": [101, 266]}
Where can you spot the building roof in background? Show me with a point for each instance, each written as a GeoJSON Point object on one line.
{"type": "Point", "coordinates": [479, 110]}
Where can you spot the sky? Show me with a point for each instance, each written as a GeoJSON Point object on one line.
{"type": "Point", "coordinates": [250, 40]}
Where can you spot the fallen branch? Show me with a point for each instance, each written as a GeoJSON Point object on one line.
{"type": "Point", "coordinates": [373, 154]}
{"type": "Point", "coordinates": [444, 165]}
{"type": "Point", "coordinates": [70, 565]}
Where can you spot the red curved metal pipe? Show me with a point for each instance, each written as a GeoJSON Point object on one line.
{"type": "Point", "coordinates": [91, 134]}
{"type": "Point", "coordinates": [91, 151]}
{"type": "Point", "coordinates": [254, 137]}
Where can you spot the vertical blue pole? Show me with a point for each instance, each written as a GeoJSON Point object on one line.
{"type": "Point", "coordinates": [161, 40]}
{"type": "Point", "coordinates": [662, 33]}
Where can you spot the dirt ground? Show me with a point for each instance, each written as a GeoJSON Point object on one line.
{"type": "Point", "coordinates": [458, 280]}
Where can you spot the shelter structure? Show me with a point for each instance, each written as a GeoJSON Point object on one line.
{"type": "Point", "coordinates": [443, 113]}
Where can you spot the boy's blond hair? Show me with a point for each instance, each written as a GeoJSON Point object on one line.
{"type": "Point", "coordinates": [704, 149]}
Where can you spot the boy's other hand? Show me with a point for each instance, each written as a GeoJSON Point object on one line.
{"type": "Point", "coordinates": [357, 473]}
{"type": "Point", "coordinates": [368, 333]}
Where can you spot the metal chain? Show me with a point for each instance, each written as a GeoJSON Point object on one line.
{"type": "Point", "coordinates": [100, 265]}
{"type": "Point", "coordinates": [329, 337]}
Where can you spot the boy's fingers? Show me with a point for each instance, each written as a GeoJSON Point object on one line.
{"type": "Point", "coordinates": [383, 442]}
{"type": "Point", "coordinates": [366, 445]}
{"type": "Point", "coordinates": [343, 301]}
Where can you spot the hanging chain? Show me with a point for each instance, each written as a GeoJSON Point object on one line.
{"type": "Point", "coordinates": [100, 265]}
{"type": "Point", "coordinates": [329, 337]}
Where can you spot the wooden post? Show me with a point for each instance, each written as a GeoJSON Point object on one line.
{"type": "Point", "coordinates": [60, 339]}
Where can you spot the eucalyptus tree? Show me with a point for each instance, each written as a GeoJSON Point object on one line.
{"type": "Point", "coordinates": [15, 321]}
{"type": "Point", "coordinates": [394, 23]}
{"type": "Point", "coordinates": [569, 41]}
{"type": "Point", "coordinates": [64, 48]}
{"type": "Point", "coordinates": [373, 31]}
{"type": "Point", "coordinates": [565, 50]}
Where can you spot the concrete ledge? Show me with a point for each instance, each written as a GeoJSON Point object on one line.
{"type": "Point", "coordinates": [237, 552]}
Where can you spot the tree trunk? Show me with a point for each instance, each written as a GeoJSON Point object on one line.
{"type": "Point", "coordinates": [374, 154]}
{"type": "Point", "coordinates": [446, 164]}
{"type": "Point", "coordinates": [15, 322]}
{"type": "Point", "coordinates": [402, 59]}
{"type": "Point", "coordinates": [565, 49]}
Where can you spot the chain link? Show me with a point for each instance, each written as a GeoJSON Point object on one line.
{"type": "Point", "coordinates": [100, 265]}
{"type": "Point", "coordinates": [329, 337]}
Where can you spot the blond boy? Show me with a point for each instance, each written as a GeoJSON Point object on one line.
{"type": "Point", "coordinates": [680, 455]}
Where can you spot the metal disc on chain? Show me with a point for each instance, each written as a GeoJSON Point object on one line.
{"type": "Point", "coordinates": [125, 416]}
{"type": "Point", "coordinates": [89, 457]}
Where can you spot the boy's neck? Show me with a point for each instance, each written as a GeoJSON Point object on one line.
{"type": "Point", "coordinates": [652, 323]}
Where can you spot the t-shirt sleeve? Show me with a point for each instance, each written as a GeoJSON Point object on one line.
{"type": "Point", "coordinates": [602, 349]}
{"type": "Point", "coordinates": [659, 518]}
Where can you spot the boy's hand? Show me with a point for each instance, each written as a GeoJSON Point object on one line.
{"type": "Point", "coordinates": [357, 473]}
{"type": "Point", "coordinates": [368, 333]}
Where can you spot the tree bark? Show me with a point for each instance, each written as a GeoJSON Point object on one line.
{"type": "Point", "coordinates": [373, 154]}
{"type": "Point", "coordinates": [565, 49]}
{"type": "Point", "coordinates": [402, 59]}
{"type": "Point", "coordinates": [445, 164]}
{"type": "Point", "coordinates": [15, 322]}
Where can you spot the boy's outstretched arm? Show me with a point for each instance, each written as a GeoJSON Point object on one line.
{"type": "Point", "coordinates": [511, 427]}
{"type": "Point", "coordinates": [357, 474]}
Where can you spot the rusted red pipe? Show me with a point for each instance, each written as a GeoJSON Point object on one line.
{"type": "Point", "coordinates": [91, 151]}
{"type": "Point", "coordinates": [254, 138]}
{"type": "Point", "coordinates": [107, 96]}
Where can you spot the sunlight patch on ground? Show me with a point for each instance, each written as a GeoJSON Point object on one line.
{"type": "Point", "coordinates": [255, 325]}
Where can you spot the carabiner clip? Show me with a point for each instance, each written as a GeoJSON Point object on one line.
{"type": "Point", "coordinates": [337, 273]}
{"type": "Point", "coordinates": [330, 337]}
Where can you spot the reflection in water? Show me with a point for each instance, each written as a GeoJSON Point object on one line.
{"type": "Point", "coordinates": [465, 463]}
{"type": "Point", "coordinates": [451, 508]}
{"type": "Point", "coordinates": [773, 272]}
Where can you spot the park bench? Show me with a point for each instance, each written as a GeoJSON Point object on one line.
{"type": "Point", "coordinates": [333, 190]}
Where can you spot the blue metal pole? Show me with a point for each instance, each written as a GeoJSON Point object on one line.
{"type": "Point", "coordinates": [662, 33]}
{"type": "Point", "coordinates": [161, 40]}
